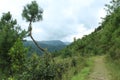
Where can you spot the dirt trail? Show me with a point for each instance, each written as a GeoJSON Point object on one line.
{"type": "Point", "coordinates": [99, 71]}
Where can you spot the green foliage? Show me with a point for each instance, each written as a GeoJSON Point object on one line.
{"type": "Point", "coordinates": [32, 12]}
{"type": "Point", "coordinates": [17, 55]}
{"type": "Point", "coordinates": [41, 68]}
{"type": "Point", "coordinates": [82, 75]}
{"type": "Point", "coordinates": [10, 32]}
{"type": "Point", "coordinates": [86, 71]}
{"type": "Point", "coordinates": [113, 67]}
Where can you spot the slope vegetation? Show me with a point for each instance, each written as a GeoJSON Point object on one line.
{"type": "Point", "coordinates": [104, 40]}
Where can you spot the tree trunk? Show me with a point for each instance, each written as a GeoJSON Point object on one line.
{"type": "Point", "coordinates": [37, 44]}
{"type": "Point", "coordinates": [30, 30]}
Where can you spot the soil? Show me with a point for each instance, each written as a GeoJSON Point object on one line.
{"type": "Point", "coordinates": [99, 71]}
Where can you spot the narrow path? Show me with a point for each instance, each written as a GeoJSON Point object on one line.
{"type": "Point", "coordinates": [99, 71]}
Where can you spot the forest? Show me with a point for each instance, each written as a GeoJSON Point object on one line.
{"type": "Point", "coordinates": [74, 59]}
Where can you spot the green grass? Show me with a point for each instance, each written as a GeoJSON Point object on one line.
{"type": "Point", "coordinates": [85, 71]}
{"type": "Point", "coordinates": [82, 75]}
{"type": "Point", "coordinates": [114, 68]}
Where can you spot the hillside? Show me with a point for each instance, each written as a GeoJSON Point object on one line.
{"type": "Point", "coordinates": [51, 46]}
{"type": "Point", "coordinates": [105, 40]}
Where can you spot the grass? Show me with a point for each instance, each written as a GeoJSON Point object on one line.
{"type": "Point", "coordinates": [82, 75]}
{"type": "Point", "coordinates": [85, 71]}
{"type": "Point", "coordinates": [114, 68]}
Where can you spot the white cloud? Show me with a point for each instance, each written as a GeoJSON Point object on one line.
{"type": "Point", "coordinates": [79, 31]}
{"type": "Point", "coordinates": [62, 19]}
{"type": "Point", "coordinates": [101, 14]}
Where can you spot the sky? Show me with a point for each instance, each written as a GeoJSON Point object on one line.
{"type": "Point", "coordinates": [62, 19]}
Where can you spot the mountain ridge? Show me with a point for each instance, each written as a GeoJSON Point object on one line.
{"type": "Point", "coordinates": [51, 45]}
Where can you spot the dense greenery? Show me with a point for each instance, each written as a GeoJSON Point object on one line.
{"type": "Point", "coordinates": [10, 32]}
{"type": "Point", "coordinates": [15, 64]}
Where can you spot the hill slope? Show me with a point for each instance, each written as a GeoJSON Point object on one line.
{"type": "Point", "coordinates": [52, 46]}
{"type": "Point", "coordinates": [105, 39]}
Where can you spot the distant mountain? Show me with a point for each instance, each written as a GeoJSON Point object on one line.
{"type": "Point", "coordinates": [52, 46]}
{"type": "Point", "coordinates": [53, 42]}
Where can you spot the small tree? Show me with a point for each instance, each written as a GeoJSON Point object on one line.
{"type": "Point", "coordinates": [9, 33]}
{"type": "Point", "coordinates": [32, 13]}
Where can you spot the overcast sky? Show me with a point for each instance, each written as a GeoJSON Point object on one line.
{"type": "Point", "coordinates": [62, 19]}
